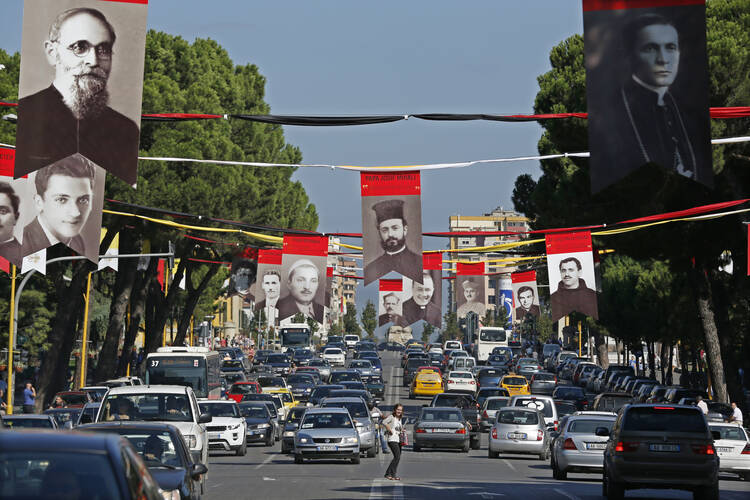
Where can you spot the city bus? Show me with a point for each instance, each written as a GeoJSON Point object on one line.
{"type": "Point", "coordinates": [295, 336]}
{"type": "Point", "coordinates": [489, 337]}
{"type": "Point", "coordinates": [195, 367]}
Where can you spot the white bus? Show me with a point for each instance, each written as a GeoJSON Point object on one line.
{"type": "Point", "coordinates": [489, 337]}
{"type": "Point", "coordinates": [195, 367]}
{"type": "Point", "coordinates": [295, 336]}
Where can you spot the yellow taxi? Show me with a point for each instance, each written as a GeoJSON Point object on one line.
{"type": "Point", "coordinates": [516, 385]}
{"type": "Point", "coordinates": [426, 383]}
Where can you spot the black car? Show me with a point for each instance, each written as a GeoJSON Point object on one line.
{"type": "Point", "coordinates": [301, 385]}
{"type": "Point", "coordinates": [260, 424]}
{"type": "Point", "coordinates": [164, 451]}
{"type": "Point", "coordinates": [280, 364]}
{"type": "Point", "coordinates": [345, 375]}
{"type": "Point", "coordinates": [375, 386]}
{"type": "Point", "coordinates": [291, 424]}
{"type": "Point", "coordinates": [499, 361]}
{"type": "Point", "coordinates": [302, 357]}
{"type": "Point", "coordinates": [489, 377]}
{"type": "Point", "coordinates": [572, 393]}
{"type": "Point", "coordinates": [488, 392]}
{"type": "Point", "coordinates": [611, 401]}
{"type": "Point", "coordinates": [321, 392]}
{"type": "Point", "coordinates": [77, 464]}
{"type": "Point", "coordinates": [436, 360]}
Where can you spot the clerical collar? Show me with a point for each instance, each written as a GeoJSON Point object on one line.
{"type": "Point", "coordinates": [660, 91]}
{"type": "Point", "coordinates": [8, 240]}
{"type": "Point", "coordinates": [52, 239]}
{"type": "Point", "coordinates": [397, 252]}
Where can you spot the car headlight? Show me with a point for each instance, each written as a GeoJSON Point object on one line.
{"type": "Point", "coordinates": [234, 427]}
{"type": "Point", "coordinates": [192, 441]}
{"type": "Point", "coordinates": [304, 439]}
{"type": "Point", "coordinates": [264, 426]}
{"type": "Point", "coordinates": [308, 390]}
{"type": "Point", "coordinates": [170, 494]}
{"type": "Point", "coordinates": [349, 440]}
{"type": "Point", "coordinates": [288, 434]}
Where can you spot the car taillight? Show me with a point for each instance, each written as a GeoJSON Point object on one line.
{"type": "Point", "coordinates": [420, 431]}
{"type": "Point", "coordinates": [472, 382]}
{"type": "Point", "coordinates": [626, 446]}
{"type": "Point", "coordinates": [746, 450]}
{"type": "Point", "coordinates": [484, 414]}
{"type": "Point", "coordinates": [494, 433]}
{"type": "Point", "coordinates": [569, 444]}
{"type": "Point", "coordinates": [704, 449]}
{"type": "Point", "coordinates": [461, 431]}
{"type": "Point", "coordinates": [555, 425]}
{"type": "Point", "coordinates": [539, 434]}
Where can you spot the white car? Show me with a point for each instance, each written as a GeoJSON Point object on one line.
{"type": "Point", "coordinates": [437, 350]}
{"type": "Point", "coordinates": [733, 448]}
{"type": "Point", "coordinates": [452, 344]}
{"type": "Point", "coordinates": [228, 428]}
{"type": "Point", "coordinates": [170, 404]}
{"type": "Point", "coordinates": [460, 381]}
{"type": "Point", "coordinates": [335, 356]}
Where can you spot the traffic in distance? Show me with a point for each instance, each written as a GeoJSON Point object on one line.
{"type": "Point", "coordinates": [498, 417]}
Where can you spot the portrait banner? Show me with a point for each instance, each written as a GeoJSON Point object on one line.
{"type": "Point", "coordinates": [303, 277]}
{"type": "Point", "coordinates": [16, 209]}
{"type": "Point", "coordinates": [424, 301]}
{"type": "Point", "coordinates": [391, 302]}
{"type": "Point", "coordinates": [525, 295]}
{"type": "Point", "coordinates": [267, 286]}
{"type": "Point", "coordinates": [391, 224]}
{"type": "Point", "coordinates": [570, 265]}
{"type": "Point", "coordinates": [243, 272]}
{"type": "Point", "coordinates": [647, 88]}
{"type": "Point", "coordinates": [81, 84]}
{"type": "Point", "coordinates": [470, 289]}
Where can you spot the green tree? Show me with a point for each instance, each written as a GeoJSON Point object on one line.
{"type": "Point", "coordinates": [350, 321]}
{"type": "Point", "coordinates": [427, 331]}
{"type": "Point", "coordinates": [451, 330]}
{"type": "Point", "coordinates": [369, 319]}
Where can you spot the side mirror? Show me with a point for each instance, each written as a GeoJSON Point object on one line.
{"type": "Point", "coordinates": [716, 435]}
{"type": "Point", "coordinates": [205, 418]}
{"type": "Point", "coordinates": [602, 432]}
{"type": "Point", "coordinates": [197, 470]}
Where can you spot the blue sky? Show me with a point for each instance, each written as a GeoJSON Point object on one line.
{"type": "Point", "coordinates": [345, 57]}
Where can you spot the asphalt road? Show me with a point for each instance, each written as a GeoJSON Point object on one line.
{"type": "Point", "coordinates": [266, 473]}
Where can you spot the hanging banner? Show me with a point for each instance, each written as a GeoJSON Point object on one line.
{"type": "Point", "coordinates": [267, 287]}
{"type": "Point", "coordinates": [424, 301]}
{"type": "Point", "coordinates": [303, 271]}
{"type": "Point", "coordinates": [525, 295]}
{"type": "Point", "coordinates": [570, 265]}
{"type": "Point", "coordinates": [391, 224]}
{"type": "Point", "coordinates": [505, 297]}
{"type": "Point", "coordinates": [243, 272]}
{"type": "Point", "coordinates": [647, 88]}
{"type": "Point", "coordinates": [16, 208]}
{"type": "Point", "coordinates": [391, 301]}
{"type": "Point", "coordinates": [471, 289]}
{"type": "Point", "coordinates": [81, 84]}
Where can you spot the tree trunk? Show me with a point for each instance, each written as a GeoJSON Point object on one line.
{"type": "Point", "coordinates": [137, 307]}
{"type": "Point", "coordinates": [670, 370]}
{"type": "Point", "coordinates": [711, 334]}
{"type": "Point", "coordinates": [193, 296]}
{"type": "Point", "coordinates": [651, 362]}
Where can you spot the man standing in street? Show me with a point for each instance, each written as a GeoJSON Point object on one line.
{"type": "Point", "coordinates": [736, 414]}
{"type": "Point", "coordinates": [29, 398]}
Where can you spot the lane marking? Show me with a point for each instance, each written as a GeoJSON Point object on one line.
{"type": "Point", "coordinates": [268, 478]}
{"type": "Point", "coordinates": [566, 494]}
{"type": "Point", "coordinates": [509, 464]}
{"type": "Point", "coordinates": [264, 462]}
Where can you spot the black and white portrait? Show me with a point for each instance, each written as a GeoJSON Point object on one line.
{"type": "Point", "coordinates": [268, 291]}
{"type": "Point", "coordinates": [392, 236]}
{"type": "Point", "coordinates": [647, 91]}
{"type": "Point", "coordinates": [81, 84]}
{"type": "Point", "coordinates": [571, 284]}
{"type": "Point", "coordinates": [303, 280]}
{"type": "Point", "coordinates": [471, 295]}
{"type": "Point", "coordinates": [424, 301]}
{"type": "Point", "coordinates": [391, 304]}
{"type": "Point", "coordinates": [11, 223]}
{"type": "Point", "coordinates": [243, 275]}
{"type": "Point", "coordinates": [526, 300]}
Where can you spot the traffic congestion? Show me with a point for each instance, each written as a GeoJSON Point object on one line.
{"type": "Point", "coordinates": [515, 405]}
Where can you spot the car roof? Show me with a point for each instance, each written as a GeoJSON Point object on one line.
{"type": "Point", "coordinates": [596, 415]}
{"type": "Point", "coordinates": [35, 440]}
{"type": "Point", "coordinates": [135, 425]}
{"type": "Point", "coordinates": [326, 410]}
{"type": "Point", "coordinates": [343, 399]}
{"type": "Point", "coordinates": [30, 416]}
{"type": "Point", "coordinates": [148, 389]}
{"type": "Point", "coordinates": [217, 401]}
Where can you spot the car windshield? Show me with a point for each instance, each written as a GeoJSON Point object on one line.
{"type": "Point", "coordinates": [514, 381]}
{"type": "Point", "coordinates": [527, 361]}
{"type": "Point", "coordinates": [360, 363]}
{"type": "Point", "coordinates": [39, 474]}
{"type": "Point", "coordinates": [566, 392]}
{"type": "Point", "coordinates": [549, 349]}
{"type": "Point", "coordinates": [74, 399]}
{"type": "Point", "coordinates": [543, 376]}
{"type": "Point", "coordinates": [150, 407]}
{"type": "Point", "coordinates": [62, 416]}
{"type": "Point", "coordinates": [564, 408]}
{"type": "Point", "coordinates": [269, 381]}
{"type": "Point", "coordinates": [441, 415]}
{"type": "Point", "coordinates": [333, 350]}
{"type": "Point", "coordinates": [357, 409]}
{"type": "Point", "coordinates": [27, 423]}
{"type": "Point", "coordinates": [612, 403]}
{"type": "Point", "coordinates": [664, 419]}
{"type": "Point", "coordinates": [492, 335]}
{"type": "Point", "coordinates": [581, 426]}
{"type": "Point", "coordinates": [542, 405]}
{"type": "Point", "coordinates": [459, 354]}
{"type": "Point", "coordinates": [243, 389]}
{"type": "Point", "coordinates": [517, 417]}
{"type": "Point", "coordinates": [318, 362]}
{"type": "Point", "coordinates": [496, 404]}
{"type": "Point", "coordinates": [460, 375]}
{"type": "Point", "coordinates": [298, 378]}
{"type": "Point", "coordinates": [232, 363]}
{"type": "Point", "coordinates": [345, 376]}
{"type": "Point", "coordinates": [155, 447]}
{"type": "Point", "coordinates": [277, 358]}
{"type": "Point", "coordinates": [220, 409]}
{"type": "Point", "coordinates": [455, 400]}
{"type": "Point", "coordinates": [254, 411]}
{"type": "Point", "coordinates": [285, 397]}
{"type": "Point", "coordinates": [498, 358]}
{"type": "Point", "coordinates": [327, 421]}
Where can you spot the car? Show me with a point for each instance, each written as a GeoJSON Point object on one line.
{"type": "Point", "coordinates": [733, 447]}
{"type": "Point", "coordinates": [283, 400]}
{"type": "Point", "coordinates": [291, 425]}
{"type": "Point", "coordinates": [526, 366]}
{"type": "Point", "coordinates": [564, 408]}
{"type": "Point", "coordinates": [354, 393]}
{"type": "Point", "coordinates": [29, 421]}
{"type": "Point", "coordinates": [228, 428]}
{"type": "Point", "coordinates": [259, 423]}
{"type": "Point", "coordinates": [441, 427]}
{"type": "Point", "coordinates": [324, 368]}
{"type": "Point", "coordinates": [488, 410]}
{"type": "Point", "coordinates": [611, 401]}
{"type": "Point", "coordinates": [353, 384]}
{"type": "Point", "coordinates": [543, 382]}
{"type": "Point", "coordinates": [518, 430]}
{"type": "Point", "coordinates": [594, 382]}
{"type": "Point", "coordinates": [301, 385]}
{"type": "Point", "coordinates": [451, 344]}
{"type": "Point", "coordinates": [469, 408]}
{"type": "Point", "coordinates": [335, 356]}
{"type": "Point", "coordinates": [486, 392]}
{"type": "Point", "coordinates": [460, 381]}
{"type": "Point", "coordinates": [577, 448]}
{"type": "Point", "coordinates": [270, 381]}
{"type": "Point", "coordinates": [326, 433]}
{"type": "Point", "coordinates": [65, 417]}
{"type": "Point", "coordinates": [239, 389]}
{"type": "Point", "coordinates": [462, 363]}
{"type": "Point", "coordinates": [502, 361]}
{"type": "Point", "coordinates": [584, 370]}
{"type": "Point", "coordinates": [363, 421]}
{"type": "Point", "coordinates": [273, 405]}
{"type": "Point", "coordinates": [515, 384]}
{"type": "Point", "coordinates": [165, 453]}
{"type": "Point", "coordinates": [302, 357]}
{"type": "Point", "coordinates": [170, 404]}
{"type": "Point", "coordinates": [413, 364]}
{"type": "Point", "coordinates": [642, 392]}
{"type": "Point", "coordinates": [339, 376]}
{"type": "Point", "coordinates": [426, 383]}
{"type": "Point", "coordinates": [657, 393]}
{"type": "Point", "coordinates": [545, 405]}
{"type": "Point", "coordinates": [549, 349]}
{"type": "Point", "coordinates": [676, 393]}
{"type": "Point", "coordinates": [320, 392]}
{"type": "Point", "coordinates": [375, 386]}
{"type": "Point", "coordinates": [489, 377]}
{"type": "Point", "coordinates": [36, 464]}
{"type": "Point", "coordinates": [74, 399]}
{"type": "Point", "coordinates": [572, 393]}
{"type": "Point", "coordinates": [279, 363]}
{"type": "Point", "coordinates": [363, 366]}
{"type": "Point", "coordinates": [558, 357]}
{"type": "Point", "coordinates": [351, 340]}
{"type": "Point", "coordinates": [232, 365]}
{"type": "Point", "coordinates": [660, 446]}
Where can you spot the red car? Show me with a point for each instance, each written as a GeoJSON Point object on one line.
{"type": "Point", "coordinates": [239, 389]}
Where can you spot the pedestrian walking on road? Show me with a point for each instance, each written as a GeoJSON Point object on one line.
{"type": "Point", "coordinates": [394, 428]}
{"type": "Point", "coordinates": [29, 398]}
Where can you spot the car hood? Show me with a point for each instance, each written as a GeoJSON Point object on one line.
{"type": "Point", "coordinates": [168, 479]}
{"type": "Point", "coordinates": [279, 365]}
{"type": "Point", "coordinates": [328, 433]}
{"type": "Point", "coordinates": [301, 385]}
{"type": "Point", "coordinates": [291, 426]}
{"type": "Point", "coordinates": [225, 420]}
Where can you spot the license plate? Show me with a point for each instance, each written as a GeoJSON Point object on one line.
{"type": "Point", "coordinates": [516, 435]}
{"type": "Point", "coordinates": [724, 449]}
{"type": "Point", "coordinates": [596, 446]}
{"type": "Point", "coordinates": [664, 447]}
{"type": "Point", "coordinates": [327, 447]}
{"type": "Point", "coordinates": [441, 430]}
{"type": "Point", "coordinates": [252, 433]}
{"type": "Point", "coordinates": [214, 435]}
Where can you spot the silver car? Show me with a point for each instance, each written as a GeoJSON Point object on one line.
{"type": "Point", "coordinates": [363, 366]}
{"type": "Point", "coordinates": [441, 427]}
{"type": "Point", "coordinates": [368, 439]}
{"type": "Point", "coordinates": [326, 433]}
{"type": "Point", "coordinates": [489, 410]}
{"type": "Point", "coordinates": [324, 368]}
{"type": "Point", "coordinates": [519, 430]}
{"type": "Point", "coordinates": [577, 448]}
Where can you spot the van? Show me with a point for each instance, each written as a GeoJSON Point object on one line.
{"type": "Point", "coordinates": [465, 363]}
{"type": "Point", "coordinates": [544, 404]}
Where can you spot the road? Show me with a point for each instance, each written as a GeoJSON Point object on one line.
{"type": "Point", "coordinates": [434, 475]}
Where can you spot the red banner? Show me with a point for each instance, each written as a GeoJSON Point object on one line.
{"type": "Point", "coordinates": [589, 5]}
{"type": "Point", "coordinates": [5, 265]}
{"type": "Point", "coordinates": [395, 285]}
{"type": "Point", "coordinates": [523, 277]}
{"type": "Point", "coordinates": [470, 269]}
{"type": "Point", "coordinates": [390, 184]}
{"type": "Point", "coordinates": [269, 256]}
{"type": "Point", "coordinates": [7, 159]}
{"type": "Point", "coordinates": [329, 272]}
{"type": "Point", "coordinates": [432, 261]}
{"type": "Point", "coordinates": [568, 242]}
{"type": "Point", "coordinates": [314, 245]}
